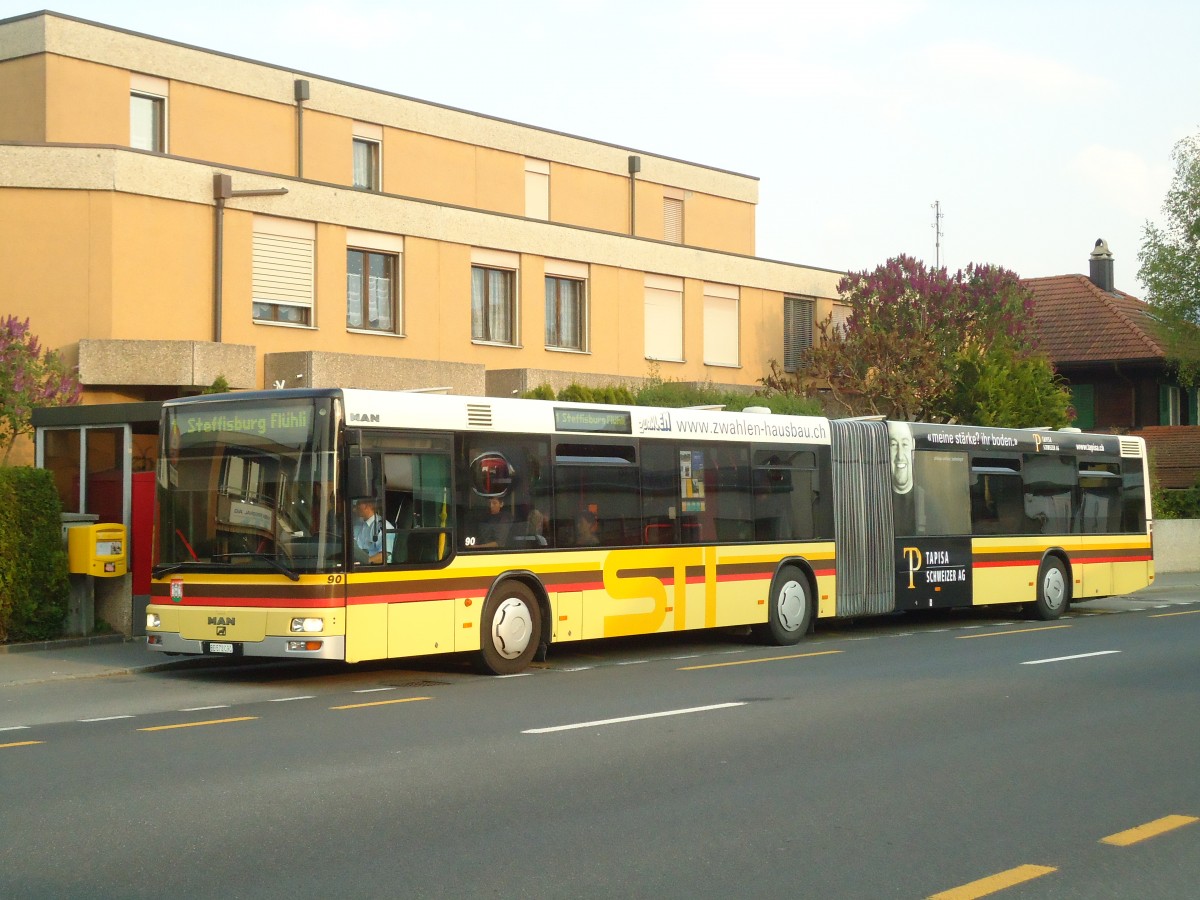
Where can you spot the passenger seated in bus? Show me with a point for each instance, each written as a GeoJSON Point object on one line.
{"type": "Point", "coordinates": [368, 534]}
{"type": "Point", "coordinates": [493, 530]}
{"type": "Point", "coordinates": [533, 536]}
{"type": "Point", "coordinates": [587, 529]}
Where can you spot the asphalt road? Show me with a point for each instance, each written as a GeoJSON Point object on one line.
{"type": "Point", "coordinates": [903, 757]}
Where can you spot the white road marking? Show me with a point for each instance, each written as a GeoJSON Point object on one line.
{"type": "Point", "coordinates": [203, 708]}
{"type": "Point", "coordinates": [655, 715]}
{"type": "Point", "coordinates": [289, 699]}
{"type": "Point", "coordinates": [373, 690]}
{"type": "Point", "coordinates": [105, 719]}
{"type": "Point", "coordinates": [514, 675]}
{"type": "Point", "coordinates": [15, 728]}
{"type": "Point", "coordinates": [1038, 662]}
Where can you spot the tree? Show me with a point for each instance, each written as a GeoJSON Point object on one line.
{"type": "Point", "coordinates": [926, 345]}
{"type": "Point", "coordinates": [29, 377]}
{"type": "Point", "coordinates": [1170, 264]}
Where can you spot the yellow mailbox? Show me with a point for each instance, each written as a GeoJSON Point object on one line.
{"type": "Point", "coordinates": [96, 550]}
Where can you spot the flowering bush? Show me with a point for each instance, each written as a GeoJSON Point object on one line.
{"type": "Point", "coordinates": [29, 377]}
{"type": "Point", "coordinates": [930, 346]}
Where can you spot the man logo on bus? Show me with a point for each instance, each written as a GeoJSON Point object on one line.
{"type": "Point", "coordinates": [912, 556]}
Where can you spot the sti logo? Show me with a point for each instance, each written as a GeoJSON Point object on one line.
{"type": "Point", "coordinates": [364, 417]}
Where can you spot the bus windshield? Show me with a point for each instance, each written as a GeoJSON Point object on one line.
{"type": "Point", "coordinates": [249, 485]}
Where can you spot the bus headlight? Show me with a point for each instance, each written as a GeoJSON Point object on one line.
{"type": "Point", "coordinates": [152, 620]}
{"type": "Point", "coordinates": [308, 625]}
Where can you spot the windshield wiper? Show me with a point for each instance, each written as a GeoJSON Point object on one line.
{"type": "Point", "coordinates": [269, 560]}
{"type": "Point", "coordinates": [167, 568]}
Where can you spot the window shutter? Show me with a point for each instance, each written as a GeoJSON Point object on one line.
{"type": "Point", "coordinates": [721, 325]}
{"type": "Point", "coordinates": [664, 318]}
{"type": "Point", "coordinates": [1083, 398]}
{"type": "Point", "coordinates": [797, 331]}
{"type": "Point", "coordinates": [537, 189]}
{"type": "Point", "coordinates": [673, 220]}
{"type": "Point", "coordinates": [283, 269]}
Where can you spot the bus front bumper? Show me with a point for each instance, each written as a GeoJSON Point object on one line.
{"type": "Point", "coordinates": [300, 646]}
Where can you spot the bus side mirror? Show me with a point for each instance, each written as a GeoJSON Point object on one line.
{"type": "Point", "coordinates": [360, 477]}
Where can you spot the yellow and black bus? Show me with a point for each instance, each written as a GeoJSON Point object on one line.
{"type": "Point", "coordinates": [359, 525]}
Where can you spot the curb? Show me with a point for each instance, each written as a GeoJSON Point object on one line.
{"type": "Point", "coordinates": [64, 643]}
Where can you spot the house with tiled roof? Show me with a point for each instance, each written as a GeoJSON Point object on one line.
{"type": "Point", "coordinates": [1102, 341]}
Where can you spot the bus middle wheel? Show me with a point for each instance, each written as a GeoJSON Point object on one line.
{"type": "Point", "coordinates": [510, 630]}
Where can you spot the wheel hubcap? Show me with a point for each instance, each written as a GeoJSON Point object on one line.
{"type": "Point", "coordinates": [791, 603]}
{"type": "Point", "coordinates": [1054, 588]}
{"type": "Point", "coordinates": [512, 628]}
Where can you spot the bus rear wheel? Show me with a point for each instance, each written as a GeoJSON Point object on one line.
{"type": "Point", "coordinates": [1053, 590]}
{"type": "Point", "coordinates": [510, 630]}
{"type": "Point", "coordinates": [789, 609]}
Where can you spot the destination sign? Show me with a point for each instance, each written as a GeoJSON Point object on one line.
{"type": "Point", "coordinates": [593, 421]}
{"type": "Point", "coordinates": [282, 423]}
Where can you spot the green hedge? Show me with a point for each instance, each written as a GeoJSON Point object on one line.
{"type": "Point", "coordinates": [33, 565]}
{"type": "Point", "coordinates": [677, 394]}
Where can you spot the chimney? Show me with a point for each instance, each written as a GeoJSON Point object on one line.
{"type": "Point", "coordinates": [1100, 266]}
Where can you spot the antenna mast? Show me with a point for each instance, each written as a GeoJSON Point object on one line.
{"type": "Point", "coordinates": [936, 206]}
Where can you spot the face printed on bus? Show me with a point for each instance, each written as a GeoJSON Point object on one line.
{"type": "Point", "coordinates": [900, 444]}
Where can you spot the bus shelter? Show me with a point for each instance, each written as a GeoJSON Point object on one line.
{"type": "Point", "coordinates": [103, 457]}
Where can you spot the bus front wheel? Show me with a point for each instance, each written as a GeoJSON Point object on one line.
{"type": "Point", "coordinates": [1053, 590]}
{"type": "Point", "coordinates": [789, 609]}
{"type": "Point", "coordinates": [510, 630]}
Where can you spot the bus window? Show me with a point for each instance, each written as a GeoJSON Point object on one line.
{"type": "Point", "coordinates": [660, 493]}
{"type": "Point", "coordinates": [418, 508]}
{"type": "Point", "coordinates": [1049, 483]}
{"type": "Point", "coordinates": [1099, 497]}
{"type": "Point", "coordinates": [939, 503]}
{"type": "Point", "coordinates": [785, 494]}
{"type": "Point", "coordinates": [997, 504]}
{"type": "Point", "coordinates": [596, 496]}
{"type": "Point", "coordinates": [1133, 497]}
{"type": "Point", "coordinates": [504, 480]}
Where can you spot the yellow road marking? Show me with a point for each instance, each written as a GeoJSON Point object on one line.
{"type": "Point", "coordinates": [381, 703]}
{"type": "Point", "coordinates": [1186, 612]}
{"type": "Point", "coordinates": [963, 637]}
{"type": "Point", "coordinates": [1147, 831]}
{"type": "Point", "coordinates": [20, 744]}
{"type": "Point", "coordinates": [994, 883]}
{"type": "Point", "coordinates": [197, 724]}
{"type": "Point", "coordinates": [748, 662]}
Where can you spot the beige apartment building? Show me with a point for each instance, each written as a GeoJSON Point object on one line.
{"type": "Point", "coordinates": [170, 215]}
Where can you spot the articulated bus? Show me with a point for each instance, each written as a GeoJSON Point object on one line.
{"type": "Point", "coordinates": [361, 525]}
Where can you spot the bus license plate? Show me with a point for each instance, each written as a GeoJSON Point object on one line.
{"type": "Point", "coordinates": [214, 647]}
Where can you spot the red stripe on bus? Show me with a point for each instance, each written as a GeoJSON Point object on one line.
{"type": "Point", "coordinates": [264, 602]}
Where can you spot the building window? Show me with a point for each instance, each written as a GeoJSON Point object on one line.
{"type": "Point", "coordinates": [565, 313]}
{"type": "Point", "coordinates": [493, 305]}
{"type": "Point", "coordinates": [1168, 404]}
{"type": "Point", "coordinates": [537, 189]}
{"type": "Point", "coordinates": [798, 315]}
{"type": "Point", "coordinates": [673, 216]}
{"type": "Point", "coordinates": [1083, 399]}
{"type": "Point", "coordinates": [722, 325]}
{"type": "Point", "coordinates": [283, 269]}
{"type": "Point", "coordinates": [372, 289]}
{"type": "Point", "coordinates": [664, 318]}
{"type": "Point", "coordinates": [366, 164]}
{"type": "Point", "coordinates": [148, 122]}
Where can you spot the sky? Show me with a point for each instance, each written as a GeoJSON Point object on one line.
{"type": "Point", "coordinates": [1037, 126]}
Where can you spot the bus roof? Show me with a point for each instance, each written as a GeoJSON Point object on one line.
{"type": "Point", "coordinates": [451, 412]}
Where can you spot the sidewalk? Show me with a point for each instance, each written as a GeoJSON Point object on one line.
{"type": "Point", "coordinates": [85, 658]}
{"type": "Point", "coordinates": [116, 655]}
